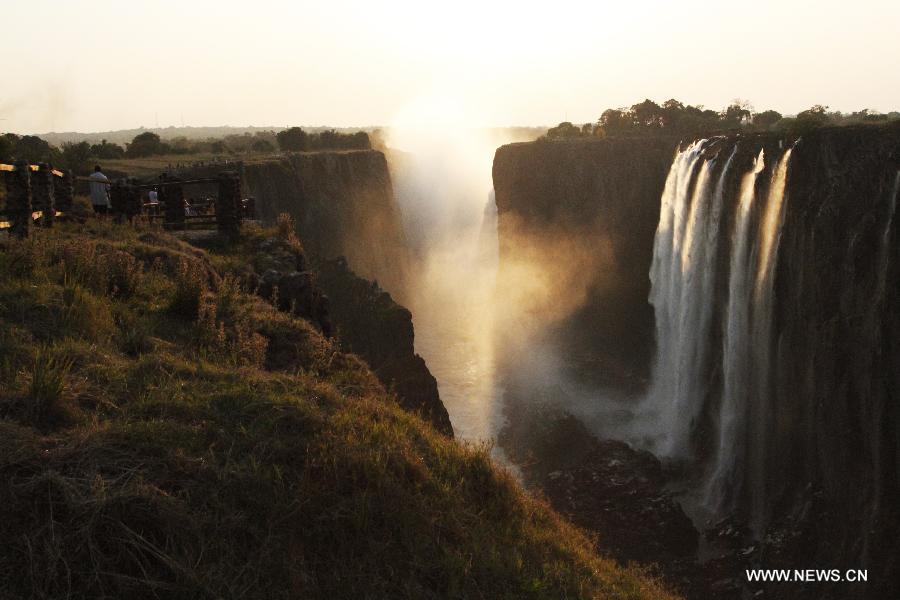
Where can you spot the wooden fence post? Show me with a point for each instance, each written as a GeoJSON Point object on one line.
{"type": "Point", "coordinates": [228, 204]}
{"type": "Point", "coordinates": [42, 194]}
{"type": "Point", "coordinates": [64, 191]}
{"type": "Point", "coordinates": [173, 196]}
{"type": "Point", "coordinates": [117, 200]}
{"type": "Point", "coordinates": [133, 204]}
{"type": "Point", "coordinates": [18, 199]}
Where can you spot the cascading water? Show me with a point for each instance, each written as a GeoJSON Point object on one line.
{"type": "Point", "coordinates": [700, 376]}
{"type": "Point", "coordinates": [737, 348]}
{"type": "Point", "coordinates": [761, 415]}
{"type": "Point", "coordinates": [682, 322]}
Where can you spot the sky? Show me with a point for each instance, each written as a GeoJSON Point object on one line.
{"type": "Point", "coordinates": [106, 65]}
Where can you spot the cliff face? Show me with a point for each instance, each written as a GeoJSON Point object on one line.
{"type": "Point", "coordinates": [372, 325]}
{"type": "Point", "coordinates": [818, 435]}
{"type": "Point", "coordinates": [837, 326]}
{"type": "Point", "coordinates": [343, 208]}
{"type": "Point", "coordinates": [342, 204]}
{"type": "Point", "coordinates": [601, 195]}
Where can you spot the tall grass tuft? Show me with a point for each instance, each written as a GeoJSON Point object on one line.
{"type": "Point", "coordinates": [134, 336]}
{"type": "Point", "coordinates": [47, 402]}
{"type": "Point", "coordinates": [286, 229]}
{"type": "Point", "coordinates": [190, 286]}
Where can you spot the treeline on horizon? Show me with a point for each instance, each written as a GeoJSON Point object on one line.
{"type": "Point", "coordinates": [673, 117]}
{"type": "Point", "coordinates": [80, 156]}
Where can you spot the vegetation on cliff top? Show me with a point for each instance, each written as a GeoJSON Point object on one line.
{"type": "Point", "coordinates": [164, 434]}
{"type": "Point", "coordinates": [676, 118]}
{"type": "Point", "coordinates": [80, 156]}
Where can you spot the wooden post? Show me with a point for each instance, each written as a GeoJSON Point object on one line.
{"type": "Point", "coordinates": [228, 204]}
{"type": "Point", "coordinates": [64, 191]}
{"type": "Point", "coordinates": [117, 199]}
{"type": "Point", "coordinates": [18, 199]}
{"type": "Point", "coordinates": [172, 195]}
{"type": "Point", "coordinates": [133, 202]}
{"type": "Point", "coordinates": [42, 194]}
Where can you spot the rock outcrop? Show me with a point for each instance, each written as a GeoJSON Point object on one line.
{"type": "Point", "coordinates": [372, 325]}
{"type": "Point", "coordinates": [342, 204]}
{"type": "Point", "coordinates": [605, 486]}
{"type": "Point", "coordinates": [363, 317]}
{"type": "Point", "coordinates": [282, 275]}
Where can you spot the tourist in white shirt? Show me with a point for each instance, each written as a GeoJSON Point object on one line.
{"type": "Point", "coordinates": [99, 191]}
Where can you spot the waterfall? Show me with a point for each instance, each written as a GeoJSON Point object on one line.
{"type": "Point", "coordinates": [761, 416]}
{"type": "Point", "coordinates": [686, 391]}
{"type": "Point", "coordinates": [676, 282]}
{"type": "Point", "coordinates": [736, 367]}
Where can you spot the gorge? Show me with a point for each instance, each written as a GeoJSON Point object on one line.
{"type": "Point", "coordinates": [708, 325]}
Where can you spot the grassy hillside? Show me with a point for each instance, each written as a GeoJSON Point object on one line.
{"type": "Point", "coordinates": [164, 434]}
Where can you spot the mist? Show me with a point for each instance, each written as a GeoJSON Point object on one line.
{"type": "Point", "coordinates": [484, 331]}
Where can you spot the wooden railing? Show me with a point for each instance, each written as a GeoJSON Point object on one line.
{"type": "Point", "coordinates": [32, 192]}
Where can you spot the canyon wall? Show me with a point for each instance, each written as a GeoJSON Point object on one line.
{"type": "Point", "coordinates": [343, 205]}
{"type": "Point", "coordinates": [372, 325]}
{"type": "Point", "coordinates": [812, 438]}
{"type": "Point", "coordinates": [599, 195]}
{"type": "Point", "coordinates": [836, 328]}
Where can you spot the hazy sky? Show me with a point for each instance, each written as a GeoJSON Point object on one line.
{"type": "Point", "coordinates": [100, 65]}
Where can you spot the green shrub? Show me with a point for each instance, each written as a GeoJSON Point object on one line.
{"type": "Point", "coordinates": [190, 286]}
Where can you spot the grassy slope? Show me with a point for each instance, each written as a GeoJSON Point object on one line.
{"type": "Point", "coordinates": [152, 166]}
{"type": "Point", "coordinates": [163, 434]}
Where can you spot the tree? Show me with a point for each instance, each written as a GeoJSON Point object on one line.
{"type": "Point", "coordinates": [77, 157]}
{"type": "Point", "coordinates": [564, 130]}
{"type": "Point", "coordinates": [360, 140]}
{"type": "Point", "coordinates": [329, 139]}
{"type": "Point", "coordinates": [648, 114]}
{"type": "Point", "coordinates": [766, 119]}
{"type": "Point", "coordinates": [737, 113]}
{"type": "Point", "coordinates": [182, 145]}
{"type": "Point", "coordinates": [33, 149]}
{"type": "Point", "coordinates": [7, 143]}
{"type": "Point", "coordinates": [866, 116]}
{"type": "Point", "coordinates": [105, 150]}
{"type": "Point", "coordinates": [145, 144]}
{"type": "Point", "coordinates": [815, 116]}
{"type": "Point", "coordinates": [262, 146]}
{"type": "Point", "coordinates": [817, 113]}
{"type": "Point", "coordinates": [672, 114]}
{"type": "Point", "coordinates": [615, 121]}
{"type": "Point", "coordinates": [293, 139]}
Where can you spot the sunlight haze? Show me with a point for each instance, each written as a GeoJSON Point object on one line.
{"type": "Point", "coordinates": [361, 63]}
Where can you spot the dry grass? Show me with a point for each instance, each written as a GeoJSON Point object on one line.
{"type": "Point", "coordinates": [227, 450]}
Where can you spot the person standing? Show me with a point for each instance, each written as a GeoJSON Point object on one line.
{"type": "Point", "coordinates": [99, 191]}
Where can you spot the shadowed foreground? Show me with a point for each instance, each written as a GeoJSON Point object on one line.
{"type": "Point", "coordinates": [165, 434]}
